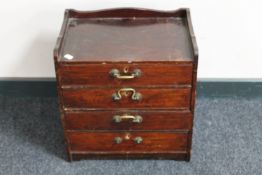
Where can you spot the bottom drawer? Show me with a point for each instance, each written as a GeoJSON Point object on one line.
{"type": "Point", "coordinates": [124, 142]}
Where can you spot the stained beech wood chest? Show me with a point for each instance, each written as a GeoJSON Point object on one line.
{"type": "Point", "coordinates": [126, 80]}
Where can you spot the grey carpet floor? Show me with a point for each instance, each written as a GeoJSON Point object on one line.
{"type": "Point", "coordinates": [227, 140]}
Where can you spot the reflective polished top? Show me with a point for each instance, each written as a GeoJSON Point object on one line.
{"type": "Point", "coordinates": [127, 39]}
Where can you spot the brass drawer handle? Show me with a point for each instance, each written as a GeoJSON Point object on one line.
{"type": "Point", "coordinates": [115, 73]}
{"type": "Point", "coordinates": [118, 140]}
{"type": "Point", "coordinates": [135, 119]}
{"type": "Point", "coordinates": [138, 140]}
{"type": "Point", "coordinates": [136, 96]}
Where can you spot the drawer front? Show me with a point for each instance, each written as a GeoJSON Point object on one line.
{"type": "Point", "coordinates": [136, 74]}
{"type": "Point", "coordinates": [128, 120]}
{"type": "Point", "coordinates": [165, 98]}
{"type": "Point", "coordinates": [127, 141]}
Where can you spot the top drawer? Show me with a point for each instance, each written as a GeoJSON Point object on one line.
{"type": "Point", "coordinates": [125, 74]}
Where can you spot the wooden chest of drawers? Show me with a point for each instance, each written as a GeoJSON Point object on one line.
{"type": "Point", "coordinates": [126, 80]}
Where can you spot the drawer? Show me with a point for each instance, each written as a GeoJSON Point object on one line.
{"type": "Point", "coordinates": [128, 120]}
{"type": "Point", "coordinates": [165, 98]}
{"type": "Point", "coordinates": [125, 74]}
{"type": "Point", "coordinates": [127, 141]}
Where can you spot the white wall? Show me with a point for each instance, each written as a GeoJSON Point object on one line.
{"type": "Point", "coordinates": [228, 34]}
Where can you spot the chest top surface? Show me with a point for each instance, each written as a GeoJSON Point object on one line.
{"type": "Point", "coordinates": [129, 38]}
